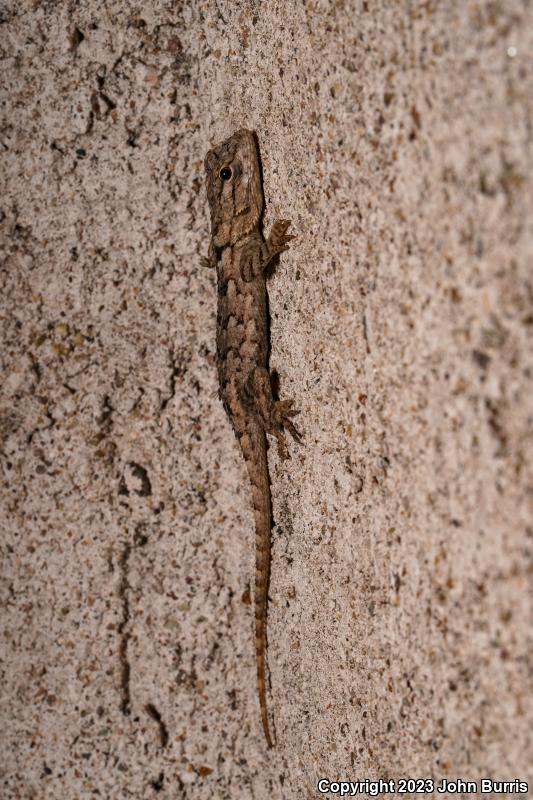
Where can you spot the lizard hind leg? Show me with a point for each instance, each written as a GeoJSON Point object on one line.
{"type": "Point", "coordinates": [274, 414]}
{"type": "Point", "coordinates": [282, 412]}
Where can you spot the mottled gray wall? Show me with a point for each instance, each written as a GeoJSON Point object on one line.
{"type": "Point", "coordinates": [397, 137]}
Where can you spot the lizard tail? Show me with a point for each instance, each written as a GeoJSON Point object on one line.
{"type": "Point", "coordinates": [258, 471]}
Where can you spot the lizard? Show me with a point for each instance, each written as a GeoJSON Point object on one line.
{"type": "Point", "coordinates": [241, 256]}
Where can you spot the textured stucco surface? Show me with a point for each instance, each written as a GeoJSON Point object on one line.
{"type": "Point", "coordinates": [398, 138]}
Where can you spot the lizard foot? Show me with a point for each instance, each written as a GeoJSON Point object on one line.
{"type": "Point", "coordinates": [282, 411]}
{"type": "Point", "coordinates": [279, 239]}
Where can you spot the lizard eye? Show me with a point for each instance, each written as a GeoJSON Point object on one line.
{"type": "Point", "coordinates": [225, 173]}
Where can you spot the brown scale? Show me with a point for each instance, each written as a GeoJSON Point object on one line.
{"type": "Point", "coordinates": [241, 257]}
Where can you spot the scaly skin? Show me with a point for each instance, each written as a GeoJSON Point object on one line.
{"type": "Point", "coordinates": [241, 256]}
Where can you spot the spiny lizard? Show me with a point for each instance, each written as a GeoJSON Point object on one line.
{"type": "Point", "coordinates": [241, 256]}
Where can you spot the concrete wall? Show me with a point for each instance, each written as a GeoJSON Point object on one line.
{"type": "Point", "coordinates": [397, 137]}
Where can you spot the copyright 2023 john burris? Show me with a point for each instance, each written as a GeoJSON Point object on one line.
{"type": "Point", "coordinates": [410, 786]}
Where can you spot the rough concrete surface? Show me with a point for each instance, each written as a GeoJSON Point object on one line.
{"type": "Point", "coordinates": [398, 138]}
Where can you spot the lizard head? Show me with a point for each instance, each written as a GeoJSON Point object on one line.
{"type": "Point", "coordinates": [234, 191]}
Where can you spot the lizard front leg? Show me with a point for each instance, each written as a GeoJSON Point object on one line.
{"type": "Point", "coordinates": [257, 256]}
{"type": "Point", "coordinates": [210, 261]}
{"type": "Point", "coordinates": [274, 414]}
{"type": "Point", "coordinates": [277, 242]}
